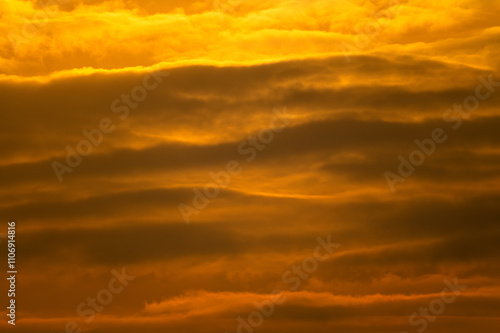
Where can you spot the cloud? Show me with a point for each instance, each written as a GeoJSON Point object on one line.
{"type": "Point", "coordinates": [350, 115]}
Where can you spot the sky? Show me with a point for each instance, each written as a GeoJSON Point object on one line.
{"type": "Point", "coordinates": [251, 166]}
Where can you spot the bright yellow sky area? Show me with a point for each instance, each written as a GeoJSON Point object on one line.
{"type": "Point", "coordinates": [47, 38]}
